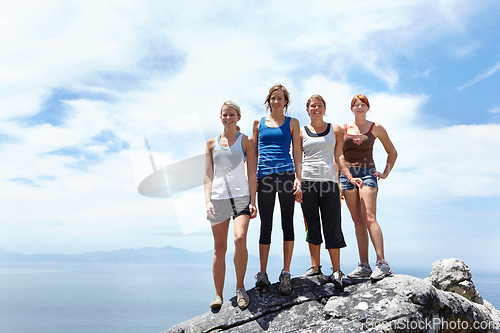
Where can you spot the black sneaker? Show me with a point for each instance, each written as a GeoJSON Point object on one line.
{"type": "Point", "coordinates": [262, 280]}
{"type": "Point", "coordinates": [285, 283]}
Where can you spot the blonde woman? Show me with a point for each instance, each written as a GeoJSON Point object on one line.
{"type": "Point", "coordinates": [229, 194]}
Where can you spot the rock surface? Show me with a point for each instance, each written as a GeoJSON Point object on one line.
{"type": "Point", "coordinates": [399, 303]}
{"type": "Point", "coordinates": [454, 275]}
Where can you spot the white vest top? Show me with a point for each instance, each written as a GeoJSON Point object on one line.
{"type": "Point", "coordinates": [319, 149]}
{"type": "Point", "coordinates": [230, 179]}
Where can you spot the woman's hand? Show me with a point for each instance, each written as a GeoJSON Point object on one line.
{"type": "Point", "coordinates": [253, 211]}
{"type": "Point", "coordinates": [356, 181]}
{"type": "Point", "coordinates": [379, 175]}
{"type": "Point", "coordinates": [297, 190]}
{"type": "Point", "coordinates": [210, 210]}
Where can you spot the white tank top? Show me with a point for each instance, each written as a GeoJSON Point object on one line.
{"type": "Point", "coordinates": [230, 179]}
{"type": "Point", "coordinates": [319, 149]}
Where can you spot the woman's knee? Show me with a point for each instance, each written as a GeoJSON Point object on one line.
{"type": "Point", "coordinates": [220, 248]}
{"type": "Point", "coordinates": [370, 219]}
{"type": "Point", "coordinates": [240, 240]}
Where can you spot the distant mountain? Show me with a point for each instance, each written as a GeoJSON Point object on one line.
{"type": "Point", "coordinates": [166, 254]}
{"type": "Point", "coordinates": [145, 255]}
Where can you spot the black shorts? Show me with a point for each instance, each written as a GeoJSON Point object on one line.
{"type": "Point", "coordinates": [322, 198]}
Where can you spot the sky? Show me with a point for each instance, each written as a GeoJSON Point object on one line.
{"type": "Point", "coordinates": [85, 84]}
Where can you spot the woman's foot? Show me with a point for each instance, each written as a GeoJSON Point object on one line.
{"type": "Point", "coordinates": [285, 283]}
{"type": "Point", "coordinates": [382, 270]}
{"type": "Point", "coordinates": [362, 271]}
{"type": "Point", "coordinates": [262, 280]}
{"type": "Point", "coordinates": [336, 279]}
{"type": "Point", "coordinates": [242, 298]}
{"type": "Point", "coordinates": [216, 303]}
{"type": "Point", "coordinates": [313, 271]}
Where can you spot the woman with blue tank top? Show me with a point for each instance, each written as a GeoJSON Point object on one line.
{"type": "Point", "coordinates": [277, 173]}
{"type": "Point", "coordinates": [322, 145]}
{"type": "Point", "coordinates": [229, 194]}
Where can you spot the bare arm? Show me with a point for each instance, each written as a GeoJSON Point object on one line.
{"type": "Point", "coordinates": [339, 147]}
{"type": "Point", "coordinates": [249, 148]}
{"type": "Point", "coordinates": [340, 159]}
{"type": "Point", "coordinates": [392, 154]}
{"type": "Point", "coordinates": [297, 157]}
{"type": "Point", "coordinates": [208, 178]}
{"type": "Point", "coordinates": [255, 139]}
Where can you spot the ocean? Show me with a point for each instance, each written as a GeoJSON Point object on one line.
{"type": "Point", "coordinates": [125, 298]}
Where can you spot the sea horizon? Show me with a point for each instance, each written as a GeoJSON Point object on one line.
{"type": "Point", "coordinates": [131, 297]}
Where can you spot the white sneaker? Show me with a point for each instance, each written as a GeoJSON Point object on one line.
{"type": "Point", "coordinates": [313, 272]}
{"type": "Point", "coordinates": [361, 272]}
{"type": "Point", "coordinates": [242, 298]}
{"type": "Point", "coordinates": [216, 303]}
{"type": "Point", "coordinates": [336, 279]}
{"type": "Point", "coordinates": [382, 270]}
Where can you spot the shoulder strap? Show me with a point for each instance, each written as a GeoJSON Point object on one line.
{"type": "Point", "coordinates": [240, 138]}
{"type": "Point", "coordinates": [217, 142]}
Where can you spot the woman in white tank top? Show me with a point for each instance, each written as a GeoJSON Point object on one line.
{"type": "Point", "coordinates": [322, 146]}
{"type": "Point", "coordinates": [229, 194]}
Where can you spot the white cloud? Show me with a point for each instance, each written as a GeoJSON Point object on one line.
{"type": "Point", "coordinates": [495, 109]}
{"type": "Point", "coordinates": [484, 75]}
{"type": "Point", "coordinates": [154, 61]}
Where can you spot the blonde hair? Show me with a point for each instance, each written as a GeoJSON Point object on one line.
{"type": "Point", "coordinates": [277, 87]}
{"type": "Point", "coordinates": [315, 96]}
{"type": "Point", "coordinates": [233, 105]}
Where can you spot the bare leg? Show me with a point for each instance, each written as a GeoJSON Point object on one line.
{"type": "Point", "coordinates": [315, 251]}
{"type": "Point", "coordinates": [368, 197]}
{"type": "Point", "coordinates": [335, 258]}
{"type": "Point", "coordinates": [219, 231]}
{"type": "Point", "coordinates": [354, 204]}
{"type": "Point", "coordinates": [287, 254]}
{"type": "Point", "coordinates": [240, 248]}
{"type": "Point", "coordinates": [264, 256]}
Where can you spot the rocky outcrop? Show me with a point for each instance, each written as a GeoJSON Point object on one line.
{"type": "Point", "coordinates": [455, 276]}
{"type": "Point", "coordinates": [399, 303]}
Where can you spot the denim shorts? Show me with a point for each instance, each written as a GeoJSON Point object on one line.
{"type": "Point", "coordinates": [365, 173]}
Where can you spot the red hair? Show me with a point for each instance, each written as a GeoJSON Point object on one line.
{"type": "Point", "coordinates": [361, 98]}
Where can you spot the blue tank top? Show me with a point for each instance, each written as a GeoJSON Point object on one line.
{"type": "Point", "coordinates": [274, 149]}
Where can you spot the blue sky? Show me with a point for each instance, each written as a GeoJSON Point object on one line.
{"type": "Point", "coordinates": [81, 81]}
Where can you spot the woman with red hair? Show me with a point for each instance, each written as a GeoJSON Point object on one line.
{"type": "Point", "coordinates": [359, 185]}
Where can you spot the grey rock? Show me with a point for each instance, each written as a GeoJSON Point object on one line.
{"type": "Point", "coordinates": [398, 303]}
{"type": "Point", "coordinates": [402, 303]}
{"type": "Point", "coordinates": [455, 276]}
{"type": "Point", "coordinates": [267, 311]}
